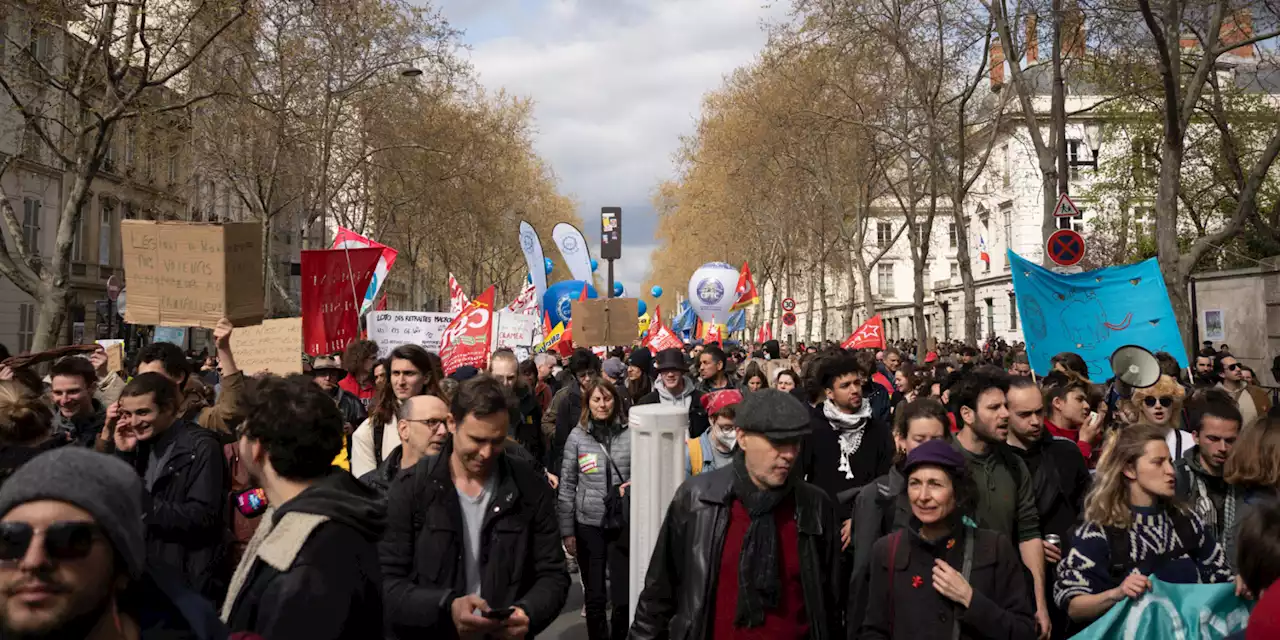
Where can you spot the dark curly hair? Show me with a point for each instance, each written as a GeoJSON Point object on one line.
{"type": "Point", "coordinates": [171, 358]}
{"type": "Point", "coordinates": [965, 392]}
{"type": "Point", "coordinates": [357, 352]}
{"type": "Point", "coordinates": [163, 391]}
{"type": "Point", "coordinates": [296, 421]}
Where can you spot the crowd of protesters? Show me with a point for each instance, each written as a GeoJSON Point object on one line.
{"type": "Point", "coordinates": [895, 493]}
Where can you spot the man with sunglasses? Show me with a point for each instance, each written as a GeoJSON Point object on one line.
{"type": "Point", "coordinates": [423, 422]}
{"type": "Point", "coordinates": [73, 559]}
{"type": "Point", "coordinates": [1251, 399]}
{"type": "Point", "coordinates": [327, 374]}
{"type": "Point", "coordinates": [184, 475]}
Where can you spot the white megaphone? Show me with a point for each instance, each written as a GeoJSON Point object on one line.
{"type": "Point", "coordinates": [1135, 366]}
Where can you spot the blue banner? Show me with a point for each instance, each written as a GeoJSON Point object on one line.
{"type": "Point", "coordinates": [1175, 611]}
{"type": "Point", "coordinates": [1094, 313]}
{"type": "Point", "coordinates": [685, 320]}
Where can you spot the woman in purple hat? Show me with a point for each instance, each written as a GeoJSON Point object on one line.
{"type": "Point", "coordinates": [941, 577]}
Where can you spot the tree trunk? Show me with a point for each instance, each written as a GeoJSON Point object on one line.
{"type": "Point", "coordinates": [268, 271]}
{"type": "Point", "coordinates": [1176, 271]}
{"type": "Point", "coordinates": [822, 295]}
{"type": "Point", "coordinates": [808, 317]}
{"type": "Point", "coordinates": [847, 319]}
{"type": "Point", "coordinates": [917, 304]}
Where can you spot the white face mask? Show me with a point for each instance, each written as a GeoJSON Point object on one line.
{"type": "Point", "coordinates": [726, 438]}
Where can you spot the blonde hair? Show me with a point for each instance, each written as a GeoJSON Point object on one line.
{"type": "Point", "coordinates": [1255, 458]}
{"type": "Point", "coordinates": [24, 416]}
{"type": "Point", "coordinates": [1165, 386]}
{"type": "Point", "coordinates": [1107, 504]}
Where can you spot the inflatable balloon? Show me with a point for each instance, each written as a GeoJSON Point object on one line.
{"type": "Point", "coordinates": [595, 264]}
{"type": "Point", "coordinates": [712, 291]}
{"type": "Point", "coordinates": [548, 264]}
{"type": "Point", "coordinates": [558, 301]}
{"type": "Point", "coordinates": [657, 291]}
{"type": "Point", "coordinates": [618, 290]}
{"type": "Point", "coordinates": [644, 308]}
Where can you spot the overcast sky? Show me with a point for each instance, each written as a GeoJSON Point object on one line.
{"type": "Point", "coordinates": [616, 83]}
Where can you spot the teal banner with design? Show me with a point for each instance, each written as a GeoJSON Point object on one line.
{"type": "Point", "coordinates": [1173, 612]}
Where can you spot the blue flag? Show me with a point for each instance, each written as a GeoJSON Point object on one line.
{"type": "Point", "coordinates": [737, 321]}
{"type": "Point", "coordinates": [685, 319]}
{"type": "Point", "coordinates": [1182, 611]}
{"type": "Point", "coordinates": [1094, 313]}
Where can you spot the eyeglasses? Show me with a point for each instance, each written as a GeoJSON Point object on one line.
{"type": "Point", "coordinates": [62, 540]}
{"type": "Point", "coordinates": [1165, 401]}
{"type": "Point", "coordinates": [430, 423]}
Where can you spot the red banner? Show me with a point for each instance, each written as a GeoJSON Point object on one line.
{"type": "Point", "coordinates": [466, 340]}
{"type": "Point", "coordinates": [869, 335]}
{"type": "Point", "coordinates": [746, 290]}
{"type": "Point", "coordinates": [334, 282]}
{"type": "Point", "coordinates": [662, 338]}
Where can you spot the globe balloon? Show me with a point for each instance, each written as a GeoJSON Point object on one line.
{"type": "Point", "coordinates": [712, 291]}
{"type": "Point", "coordinates": [558, 300]}
{"type": "Point", "coordinates": [548, 264]}
{"type": "Point", "coordinates": [617, 290]}
{"type": "Point", "coordinates": [643, 308]}
{"type": "Point", "coordinates": [656, 291]}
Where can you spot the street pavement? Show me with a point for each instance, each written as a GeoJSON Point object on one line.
{"type": "Point", "coordinates": [570, 625]}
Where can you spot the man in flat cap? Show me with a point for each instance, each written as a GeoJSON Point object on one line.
{"type": "Point", "coordinates": [749, 545]}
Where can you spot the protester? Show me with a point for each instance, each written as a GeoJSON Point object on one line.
{"type": "Point", "coordinates": [1203, 375]}
{"type": "Point", "coordinates": [80, 416]}
{"type": "Point", "coordinates": [887, 370]}
{"type": "Point", "coordinates": [547, 365]}
{"type": "Point", "coordinates": [711, 369]}
{"type": "Point", "coordinates": [566, 406]}
{"type": "Point", "coordinates": [639, 383]}
{"type": "Point", "coordinates": [359, 359]}
{"type": "Point", "coordinates": [181, 466]}
{"type": "Point", "coordinates": [906, 382]}
{"type": "Point", "coordinates": [73, 561]}
{"type": "Point", "coordinates": [1161, 404]}
{"type": "Point", "coordinates": [940, 577]}
{"type": "Point", "coordinates": [1006, 497]}
{"type": "Point", "coordinates": [1198, 473]}
{"type": "Point", "coordinates": [714, 449]}
{"type": "Point", "coordinates": [786, 381]}
{"type": "Point", "coordinates": [422, 422]}
{"type": "Point", "coordinates": [847, 448]}
{"type": "Point", "coordinates": [168, 360]}
{"type": "Point", "coordinates": [526, 416]}
{"type": "Point", "coordinates": [1061, 478]}
{"type": "Point", "coordinates": [1019, 366]}
{"type": "Point", "coordinates": [1133, 530]}
{"type": "Point", "coordinates": [1259, 561]}
{"type": "Point", "coordinates": [1251, 399]}
{"type": "Point", "coordinates": [380, 375]}
{"type": "Point", "coordinates": [879, 512]}
{"type": "Point", "coordinates": [732, 558]}
{"type": "Point", "coordinates": [26, 427]}
{"type": "Point", "coordinates": [754, 379]}
{"type": "Point", "coordinates": [1068, 362]}
{"type": "Point", "coordinates": [1253, 471]}
{"type": "Point", "coordinates": [596, 464]}
{"type": "Point", "coordinates": [541, 390]}
{"type": "Point", "coordinates": [414, 372]}
{"type": "Point", "coordinates": [328, 375]}
{"type": "Point", "coordinates": [1068, 415]}
{"type": "Point", "coordinates": [677, 389]}
{"type": "Point", "coordinates": [321, 528]}
{"type": "Point", "coordinates": [471, 528]}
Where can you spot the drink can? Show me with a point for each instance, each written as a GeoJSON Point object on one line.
{"type": "Point", "coordinates": [1053, 539]}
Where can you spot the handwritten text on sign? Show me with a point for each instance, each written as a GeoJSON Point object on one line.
{"type": "Point", "coordinates": [178, 273]}
{"type": "Point", "coordinates": [275, 346]}
{"type": "Point", "coordinates": [391, 329]}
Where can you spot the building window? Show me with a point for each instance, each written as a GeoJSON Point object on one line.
{"type": "Point", "coordinates": [105, 233]}
{"type": "Point", "coordinates": [1005, 178]}
{"type": "Point", "coordinates": [928, 283]}
{"type": "Point", "coordinates": [173, 166]}
{"type": "Point", "coordinates": [1073, 157]}
{"type": "Point", "coordinates": [130, 147]}
{"type": "Point", "coordinates": [991, 317]}
{"type": "Point", "coordinates": [1013, 312]}
{"type": "Point", "coordinates": [26, 326]}
{"type": "Point", "coordinates": [77, 240]}
{"type": "Point", "coordinates": [1145, 159]}
{"type": "Point", "coordinates": [31, 224]}
{"type": "Point", "coordinates": [951, 235]}
{"type": "Point", "coordinates": [1006, 222]}
{"type": "Point", "coordinates": [884, 233]}
{"type": "Point", "coordinates": [955, 271]}
{"type": "Point", "coordinates": [42, 45]}
{"type": "Point", "coordinates": [884, 279]}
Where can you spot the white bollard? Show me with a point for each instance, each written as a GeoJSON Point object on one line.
{"type": "Point", "coordinates": [658, 434]}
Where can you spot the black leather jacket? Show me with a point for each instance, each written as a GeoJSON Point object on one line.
{"type": "Point", "coordinates": [678, 600]}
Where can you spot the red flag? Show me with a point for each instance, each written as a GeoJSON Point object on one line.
{"type": "Point", "coordinates": [746, 290]}
{"type": "Point", "coordinates": [583, 296]}
{"type": "Point", "coordinates": [662, 338]}
{"type": "Point", "coordinates": [697, 330]}
{"type": "Point", "coordinates": [332, 293]}
{"type": "Point", "coordinates": [713, 334]}
{"type": "Point", "coordinates": [546, 324]}
{"type": "Point", "coordinates": [870, 334]}
{"type": "Point", "coordinates": [348, 239]}
{"type": "Point", "coordinates": [457, 299]}
{"type": "Point", "coordinates": [382, 304]}
{"type": "Point", "coordinates": [466, 340]}
{"type": "Point", "coordinates": [657, 317]}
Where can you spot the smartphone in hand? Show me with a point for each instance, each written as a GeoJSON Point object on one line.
{"type": "Point", "coordinates": [499, 614]}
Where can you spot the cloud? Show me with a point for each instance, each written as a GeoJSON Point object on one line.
{"type": "Point", "coordinates": [616, 83]}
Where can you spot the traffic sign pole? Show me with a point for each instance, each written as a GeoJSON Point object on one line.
{"type": "Point", "coordinates": [1065, 247]}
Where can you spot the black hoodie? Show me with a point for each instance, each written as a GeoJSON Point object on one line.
{"type": "Point", "coordinates": [314, 572]}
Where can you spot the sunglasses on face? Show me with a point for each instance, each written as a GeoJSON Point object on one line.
{"type": "Point", "coordinates": [62, 540]}
{"type": "Point", "coordinates": [1233, 366]}
{"type": "Point", "coordinates": [1165, 401]}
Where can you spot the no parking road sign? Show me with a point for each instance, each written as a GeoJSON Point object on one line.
{"type": "Point", "coordinates": [789, 319]}
{"type": "Point", "coordinates": [1065, 247]}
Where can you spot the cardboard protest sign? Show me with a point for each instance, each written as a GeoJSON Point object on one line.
{"type": "Point", "coordinates": [275, 346]}
{"type": "Point", "coordinates": [115, 354]}
{"type": "Point", "coordinates": [609, 321]}
{"type": "Point", "coordinates": [512, 329]}
{"type": "Point", "coordinates": [391, 329]}
{"type": "Point", "coordinates": [467, 340]}
{"type": "Point", "coordinates": [333, 285]}
{"type": "Point", "coordinates": [182, 274]}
